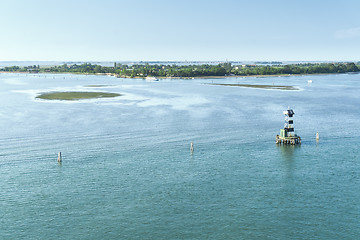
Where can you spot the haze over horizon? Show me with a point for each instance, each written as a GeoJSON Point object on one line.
{"type": "Point", "coordinates": [160, 30]}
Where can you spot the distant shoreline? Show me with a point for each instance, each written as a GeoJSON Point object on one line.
{"type": "Point", "coordinates": [205, 71]}
{"type": "Point", "coordinates": [238, 76]}
{"type": "Point", "coordinates": [188, 78]}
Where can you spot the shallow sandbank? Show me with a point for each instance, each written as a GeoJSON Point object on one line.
{"type": "Point", "coordinates": [276, 87]}
{"type": "Point", "coordinates": [73, 96]}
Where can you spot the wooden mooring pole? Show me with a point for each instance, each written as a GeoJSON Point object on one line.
{"type": "Point", "coordinates": [59, 157]}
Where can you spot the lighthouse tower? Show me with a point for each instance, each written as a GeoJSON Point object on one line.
{"type": "Point", "coordinates": [289, 123]}
{"type": "Point", "coordinates": [287, 134]}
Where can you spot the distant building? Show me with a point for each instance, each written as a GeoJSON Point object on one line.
{"type": "Point", "coordinates": [248, 65]}
{"type": "Point", "coordinates": [30, 70]}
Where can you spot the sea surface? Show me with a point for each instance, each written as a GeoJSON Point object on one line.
{"type": "Point", "coordinates": [127, 170]}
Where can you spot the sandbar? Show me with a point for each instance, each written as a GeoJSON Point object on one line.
{"type": "Point", "coordinates": [73, 96]}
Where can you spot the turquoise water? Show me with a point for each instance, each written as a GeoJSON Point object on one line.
{"type": "Point", "coordinates": [127, 171]}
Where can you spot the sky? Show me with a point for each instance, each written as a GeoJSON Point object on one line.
{"type": "Point", "coordinates": [179, 30]}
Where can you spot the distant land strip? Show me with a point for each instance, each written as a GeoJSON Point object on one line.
{"type": "Point", "coordinates": [275, 87]}
{"type": "Point", "coordinates": [189, 71]}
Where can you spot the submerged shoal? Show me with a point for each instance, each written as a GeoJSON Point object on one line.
{"type": "Point", "coordinates": [72, 96]}
{"type": "Point", "coordinates": [277, 87]}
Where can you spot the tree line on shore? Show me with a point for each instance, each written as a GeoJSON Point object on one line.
{"type": "Point", "coordinates": [160, 70]}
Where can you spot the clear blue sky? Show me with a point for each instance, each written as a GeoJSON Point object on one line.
{"type": "Point", "coordinates": [121, 30]}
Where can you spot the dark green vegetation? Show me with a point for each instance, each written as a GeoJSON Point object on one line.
{"type": "Point", "coordinates": [72, 96]}
{"type": "Point", "coordinates": [204, 70]}
{"type": "Point", "coordinates": [277, 87]}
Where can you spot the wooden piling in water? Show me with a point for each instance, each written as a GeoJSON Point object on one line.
{"type": "Point", "coordinates": [59, 158]}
